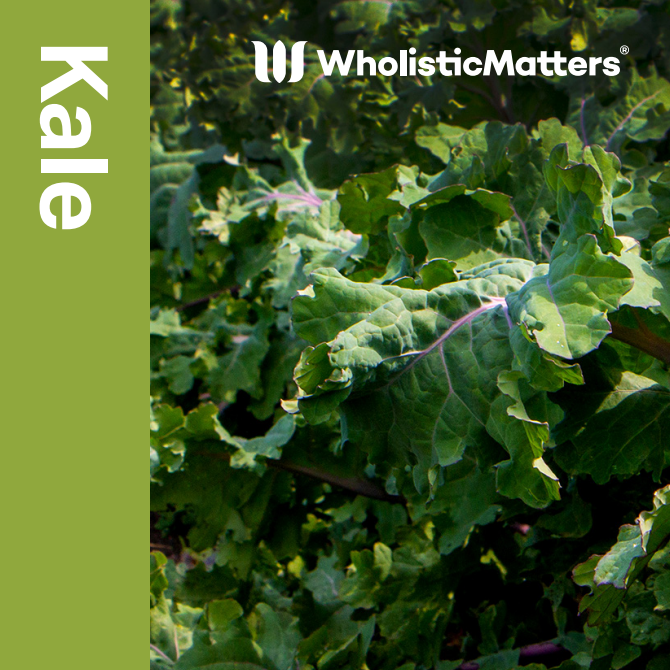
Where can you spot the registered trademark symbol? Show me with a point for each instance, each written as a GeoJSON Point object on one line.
{"type": "Point", "coordinates": [624, 50]}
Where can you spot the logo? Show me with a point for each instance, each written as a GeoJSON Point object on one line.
{"type": "Point", "coordinates": [279, 62]}
{"type": "Point", "coordinates": [409, 64]}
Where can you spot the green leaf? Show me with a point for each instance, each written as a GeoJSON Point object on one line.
{"type": "Point", "coordinates": [221, 613]}
{"type": "Point", "coordinates": [364, 201]}
{"type": "Point", "coordinates": [239, 369]}
{"type": "Point", "coordinates": [159, 581]}
{"type": "Point", "coordinates": [268, 446]}
{"type": "Point", "coordinates": [610, 575]}
{"type": "Point", "coordinates": [469, 228]}
{"type": "Point", "coordinates": [662, 591]}
{"type": "Point", "coordinates": [615, 429]}
{"type": "Point", "coordinates": [439, 139]}
{"type": "Point", "coordinates": [614, 566]}
{"type": "Point", "coordinates": [566, 311]}
{"type": "Point", "coordinates": [277, 634]}
{"type": "Point", "coordinates": [167, 323]}
{"type": "Point", "coordinates": [639, 111]}
{"type": "Point", "coordinates": [388, 344]}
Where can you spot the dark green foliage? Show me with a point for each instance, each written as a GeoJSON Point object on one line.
{"type": "Point", "coordinates": [410, 342]}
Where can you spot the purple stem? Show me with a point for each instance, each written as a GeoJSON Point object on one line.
{"type": "Point", "coordinates": [311, 193]}
{"type": "Point", "coordinates": [528, 653]}
{"type": "Point", "coordinates": [307, 198]}
{"type": "Point", "coordinates": [493, 302]}
{"type": "Point", "coordinates": [627, 119]}
{"type": "Point", "coordinates": [321, 76]}
{"type": "Point", "coordinates": [582, 122]}
{"type": "Point", "coordinates": [165, 657]}
{"type": "Point", "coordinates": [524, 228]}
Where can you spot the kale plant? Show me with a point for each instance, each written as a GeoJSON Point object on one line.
{"type": "Point", "coordinates": [410, 343]}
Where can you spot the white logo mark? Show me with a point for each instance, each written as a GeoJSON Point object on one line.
{"type": "Point", "coordinates": [279, 61]}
